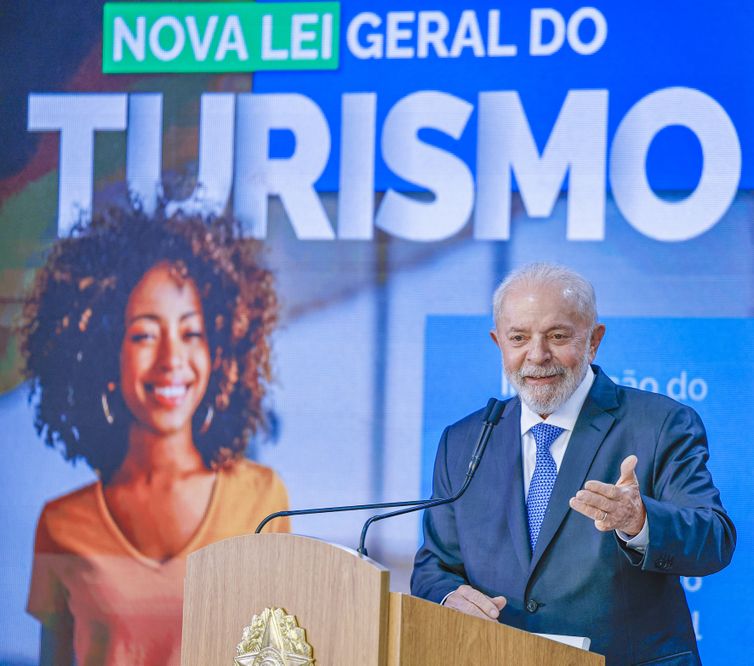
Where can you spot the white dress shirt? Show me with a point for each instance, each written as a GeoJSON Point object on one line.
{"type": "Point", "coordinates": [565, 417]}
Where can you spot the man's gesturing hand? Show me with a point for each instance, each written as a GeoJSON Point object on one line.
{"type": "Point", "coordinates": [613, 507]}
{"type": "Point", "coordinates": [473, 602]}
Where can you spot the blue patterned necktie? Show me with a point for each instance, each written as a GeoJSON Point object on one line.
{"type": "Point", "coordinates": [543, 479]}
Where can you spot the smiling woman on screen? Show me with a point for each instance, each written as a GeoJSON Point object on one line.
{"type": "Point", "coordinates": [146, 340]}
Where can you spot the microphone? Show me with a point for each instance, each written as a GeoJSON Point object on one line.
{"type": "Point", "coordinates": [492, 413]}
{"type": "Point", "coordinates": [491, 416]}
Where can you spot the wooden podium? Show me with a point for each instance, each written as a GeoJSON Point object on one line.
{"type": "Point", "coordinates": [343, 603]}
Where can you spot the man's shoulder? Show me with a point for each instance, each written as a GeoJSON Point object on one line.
{"type": "Point", "coordinates": [638, 402]}
{"type": "Point", "coordinates": [474, 420]}
{"type": "Point", "coordinates": [640, 396]}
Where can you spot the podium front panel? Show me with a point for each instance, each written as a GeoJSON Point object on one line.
{"type": "Point", "coordinates": [339, 599]}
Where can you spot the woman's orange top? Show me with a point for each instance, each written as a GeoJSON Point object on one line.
{"type": "Point", "coordinates": [126, 608]}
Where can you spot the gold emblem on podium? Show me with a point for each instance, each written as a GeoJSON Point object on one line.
{"type": "Point", "coordinates": [273, 639]}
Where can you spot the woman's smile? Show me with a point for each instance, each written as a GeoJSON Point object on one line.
{"type": "Point", "coordinates": [168, 395]}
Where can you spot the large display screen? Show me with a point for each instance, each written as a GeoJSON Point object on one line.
{"type": "Point", "coordinates": [392, 161]}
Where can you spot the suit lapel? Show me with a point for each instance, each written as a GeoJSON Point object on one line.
{"type": "Point", "coordinates": [507, 459]}
{"type": "Point", "coordinates": [588, 434]}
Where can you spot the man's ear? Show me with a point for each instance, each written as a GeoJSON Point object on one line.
{"type": "Point", "coordinates": [594, 343]}
{"type": "Point", "coordinates": [493, 335]}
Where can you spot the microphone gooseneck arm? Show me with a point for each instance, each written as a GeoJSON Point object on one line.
{"type": "Point", "coordinates": [334, 509]}
{"type": "Point", "coordinates": [490, 418]}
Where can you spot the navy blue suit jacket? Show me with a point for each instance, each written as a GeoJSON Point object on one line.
{"type": "Point", "coordinates": [581, 581]}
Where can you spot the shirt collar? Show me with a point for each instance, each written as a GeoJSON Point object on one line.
{"type": "Point", "coordinates": [566, 415]}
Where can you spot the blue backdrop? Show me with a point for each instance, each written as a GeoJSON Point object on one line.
{"type": "Point", "coordinates": [452, 143]}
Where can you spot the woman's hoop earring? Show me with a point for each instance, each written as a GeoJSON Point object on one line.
{"type": "Point", "coordinates": [106, 409]}
{"type": "Point", "coordinates": [207, 420]}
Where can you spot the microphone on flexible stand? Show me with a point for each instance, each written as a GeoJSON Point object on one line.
{"type": "Point", "coordinates": [492, 413]}
{"type": "Point", "coordinates": [490, 418]}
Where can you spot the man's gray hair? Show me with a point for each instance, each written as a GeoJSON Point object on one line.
{"type": "Point", "coordinates": [574, 286]}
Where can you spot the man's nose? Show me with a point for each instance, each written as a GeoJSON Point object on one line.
{"type": "Point", "coordinates": [539, 351]}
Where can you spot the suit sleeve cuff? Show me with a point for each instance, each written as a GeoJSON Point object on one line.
{"type": "Point", "coordinates": [639, 542]}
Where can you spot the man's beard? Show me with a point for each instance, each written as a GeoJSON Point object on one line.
{"type": "Point", "coordinates": [547, 398]}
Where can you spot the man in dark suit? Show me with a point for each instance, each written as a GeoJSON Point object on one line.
{"type": "Point", "coordinates": [543, 540]}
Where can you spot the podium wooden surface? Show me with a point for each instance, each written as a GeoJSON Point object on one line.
{"type": "Point", "coordinates": [343, 603]}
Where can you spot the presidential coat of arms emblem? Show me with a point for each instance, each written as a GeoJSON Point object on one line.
{"type": "Point", "coordinates": [273, 639]}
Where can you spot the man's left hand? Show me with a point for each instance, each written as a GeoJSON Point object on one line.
{"type": "Point", "coordinates": [614, 506]}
